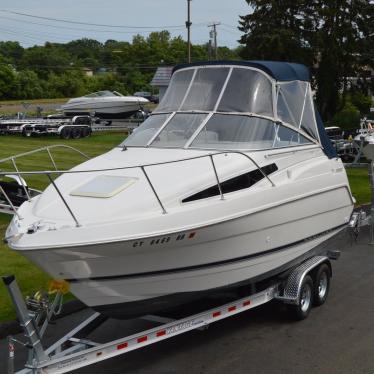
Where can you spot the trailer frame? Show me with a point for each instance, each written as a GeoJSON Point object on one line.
{"type": "Point", "coordinates": [74, 351]}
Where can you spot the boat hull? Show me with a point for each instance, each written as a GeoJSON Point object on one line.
{"type": "Point", "coordinates": [126, 279]}
{"type": "Point", "coordinates": [103, 110]}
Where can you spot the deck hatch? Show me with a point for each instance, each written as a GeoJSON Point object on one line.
{"type": "Point", "coordinates": [103, 186]}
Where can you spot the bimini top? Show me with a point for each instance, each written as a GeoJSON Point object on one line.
{"type": "Point", "coordinates": [280, 71]}
{"type": "Point", "coordinates": [244, 105]}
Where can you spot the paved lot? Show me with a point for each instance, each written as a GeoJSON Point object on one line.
{"type": "Point", "coordinates": [336, 338]}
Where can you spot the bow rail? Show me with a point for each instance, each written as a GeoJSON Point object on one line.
{"type": "Point", "coordinates": [50, 173]}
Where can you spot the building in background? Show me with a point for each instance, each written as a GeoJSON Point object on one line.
{"type": "Point", "coordinates": [161, 79]}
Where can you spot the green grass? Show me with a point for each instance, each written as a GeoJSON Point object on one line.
{"type": "Point", "coordinates": [30, 277]}
{"type": "Point", "coordinates": [35, 101]}
{"type": "Point", "coordinates": [360, 184]}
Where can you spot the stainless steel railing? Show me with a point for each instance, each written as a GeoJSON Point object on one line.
{"type": "Point", "coordinates": [50, 173]}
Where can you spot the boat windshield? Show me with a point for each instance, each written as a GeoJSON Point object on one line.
{"type": "Point", "coordinates": [220, 88]}
{"type": "Point", "coordinates": [103, 94]}
{"type": "Point", "coordinates": [218, 131]}
{"type": "Point", "coordinates": [229, 107]}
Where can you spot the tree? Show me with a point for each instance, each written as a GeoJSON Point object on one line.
{"type": "Point", "coordinates": [328, 35]}
{"type": "Point", "coordinates": [7, 81]}
{"type": "Point", "coordinates": [347, 118]}
{"type": "Point", "coordinates": [12, 51]}
{"type": "Point", "coordinates": [342, 28]}
{"type": "Point", "coordinates": [273, 31]}
{"type": "Point", "coordinates": [29, 86]}
{"type": "Point", "coordinates": [69, 84]}
{"type": "Point", "coordinates": [47, 59]}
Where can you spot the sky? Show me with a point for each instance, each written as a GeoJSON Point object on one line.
{"type": "Point", "coordinates": [136, 16]}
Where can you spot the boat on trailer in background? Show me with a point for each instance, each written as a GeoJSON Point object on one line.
{"type": "Point", "coordinates": [104, 105]}
{"type": "Point", "coordinates": [231, 180]}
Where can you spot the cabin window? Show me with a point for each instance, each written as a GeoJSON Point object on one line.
{"type": "Point", "coordinates": [295, 106]}
{"type": "Point", "coordinates": [146, 131]}
{"type": "Point", "coordinates": [179, 130]}
{"type": "Point", "coordinates": [245, 132]}
{"type": "Point", "coordinates": [240, 182]}
{"type": "Point", "coordinates": [247, 91]}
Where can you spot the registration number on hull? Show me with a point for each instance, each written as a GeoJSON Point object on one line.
{"type": "Point", "coordinates": [164, 239]}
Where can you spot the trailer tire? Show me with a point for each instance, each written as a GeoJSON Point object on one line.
{"type": "Point", "coordinates": [65, 133]}
{"type": "Point", "coordinates": [26, 132]}
{"type": "Point", "coordinates": [304, 304]}
{"type": "Point", "coordinates": [85, 132]}
{"type": "Point", "coordinates": [321, 285]}
{"type": "Point", "coordinates": [76, 132]}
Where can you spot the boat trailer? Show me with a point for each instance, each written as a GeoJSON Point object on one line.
{"type": "Point", "coordinates": [74, 350]}
{"type": "Point", "coordinates": [65, 127]}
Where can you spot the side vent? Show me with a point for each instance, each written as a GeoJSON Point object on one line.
{"type": "Point", "coordinates": [240, 182]}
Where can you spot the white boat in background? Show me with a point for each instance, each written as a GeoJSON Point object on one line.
{"type": "Point", "coordinates": [105, 105]}
{"type": "Point", "coordinates": [230, 181]}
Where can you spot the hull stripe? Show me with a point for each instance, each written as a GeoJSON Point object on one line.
{"type": "Point", "coordinates": [212, 264]}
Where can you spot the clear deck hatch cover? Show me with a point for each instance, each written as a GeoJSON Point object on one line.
{"type": "Point", "coordinates": [104, 186]}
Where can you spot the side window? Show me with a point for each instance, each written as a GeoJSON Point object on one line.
{"type": "Point", "coordinates": [286, 137]}
{"type": "Point", "coordinates": [240, 182]}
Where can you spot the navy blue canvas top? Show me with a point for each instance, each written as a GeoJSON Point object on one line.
{"type": "Point", "coordinates": [280, 71]}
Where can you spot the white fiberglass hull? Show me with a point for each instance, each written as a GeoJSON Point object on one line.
{"type": "Point", "coordinates": [103, 108]}
{"type": "Point", "coordinates": [122, 278]}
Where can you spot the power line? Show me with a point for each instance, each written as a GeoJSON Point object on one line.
{"type": "Point", "coordinates": [27, 35]}
{"type": "Point", "coordinates": [91, 24]}
{"type": "Point", "coordinates": [225, 29]}
{"type": "Point", "coordinates": [230, 26]}
{"type": "Point", "coordinates": [75, 28]}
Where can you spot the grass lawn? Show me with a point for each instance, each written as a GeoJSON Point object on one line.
{"type": "Point", "coordinates": [31, 278]}
{"type": "Point", "coordinates": [35, 101]}
{"type": "Point", "coordinates": [360, 184]}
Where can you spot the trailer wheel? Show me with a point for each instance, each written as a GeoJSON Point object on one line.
{"type": "Point", "coordinates": [75, 132]}
{"type": "Point", "coordinates": [26, 132]}
{"type": "Point", "coordinates": [65, 133]}
{"type": "Point", "coordinates": [321, 285]}
{"type": "Point", "coordinates": [85, 132]}
{"type": "Point", "coordinates": [302, 309]}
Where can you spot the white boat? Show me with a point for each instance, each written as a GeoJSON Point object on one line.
{"type": "Point", "coordinates": [104, 104]}
{"type": "Point", "coordinates": [230, 181]}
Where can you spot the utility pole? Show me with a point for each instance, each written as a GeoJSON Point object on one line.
{"type": "Point", "coordinates": [213, 35]}
{"type": "Point", "coordinates": [188, 25]}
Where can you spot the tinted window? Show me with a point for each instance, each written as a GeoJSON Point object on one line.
{"type": "Point", "coordinates": [240, 182]}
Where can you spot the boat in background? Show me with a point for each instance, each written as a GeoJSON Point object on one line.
{"type": "Point", "coordinates": [104, 105]}
{"type": "Point", "coordinates": [230, 181]}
